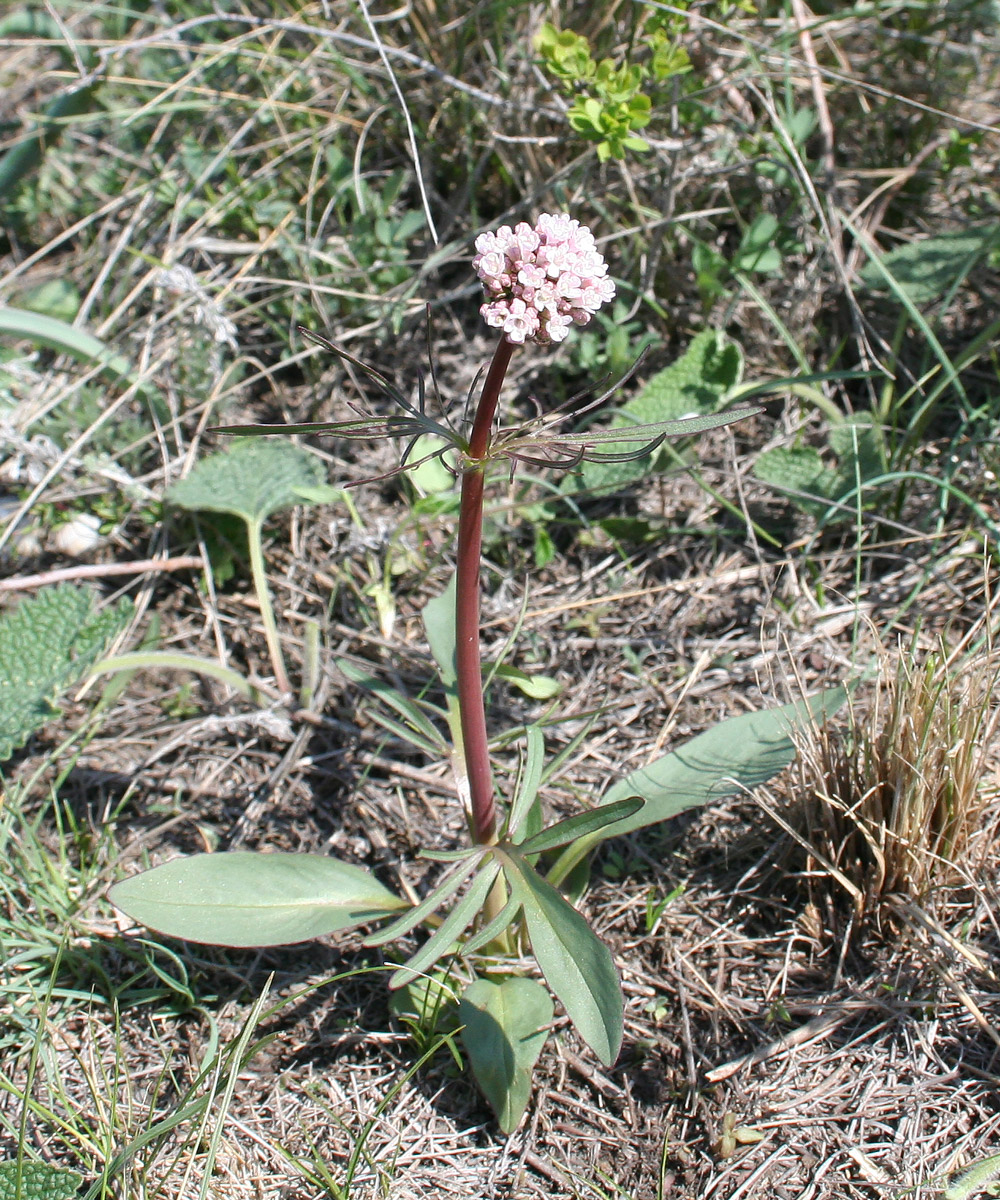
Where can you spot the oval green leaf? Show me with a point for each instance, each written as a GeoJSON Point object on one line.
{"type": "Point", "coordinates": [575, 962]}
{"type": "Point", "coordinates": [505, 1030]}
{"type": "Point", "coordinates": [246, 899]}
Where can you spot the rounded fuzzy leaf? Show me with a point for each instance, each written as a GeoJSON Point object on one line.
{"type": "Point", "coordinates": [47, 643]}
{"type": "Point", "coordinates": [576, 964]}
{"type": "Point", "coordinates": [247, 899]}
{"type": "Point", "coordinates": [37, 1181]}
{"type": "Point", "coordinates": [252, 479]}
{"type": "Point", "coordinates": [505, 1030]}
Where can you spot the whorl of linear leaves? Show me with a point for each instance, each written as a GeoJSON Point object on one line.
{"type": "Point", "coordinates": [47, 644]}
{"type": "Point", "coordinates": [696, 384]}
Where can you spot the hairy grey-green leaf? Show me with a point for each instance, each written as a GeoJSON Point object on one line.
{"type": "Point", "coordinates": [927, 269]}
{"type": "Point", "coordinates": [46, 644]}
{"type": "Point", "coordinates": [37, 1181]}
{"type": "Point", "coordinates": [252, 478]}
{"type": "Point", "coordinates": [800, 471]}
{"type": "Point", "coordinates": [696, 384]}
{"type": "Point", "coordinates": [505, 1030]}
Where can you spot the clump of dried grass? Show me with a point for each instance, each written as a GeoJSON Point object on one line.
{"type": "Point", "coordinates": [890, 803]}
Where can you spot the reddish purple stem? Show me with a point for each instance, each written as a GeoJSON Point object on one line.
{"type": "Point", "coordinates": [468, 659]}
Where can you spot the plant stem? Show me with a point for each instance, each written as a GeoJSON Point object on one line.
{"type": "Point", "coordinates": [258, 572]}
{"type": "Point", "coordinates": [468, 659]}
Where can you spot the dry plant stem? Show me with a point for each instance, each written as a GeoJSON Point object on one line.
{"type": "Point", "coordinates": [468, 661]}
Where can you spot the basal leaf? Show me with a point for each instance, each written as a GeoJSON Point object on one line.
{"type": "Point", "coordinates": [736, 755]}
{"type": "Point", "coordinates": [48, 643]}
{"type": "Point", "coordinates": [67, 339]}
{"type": "Point", "coordinates": [252, 478]}
{"type": "Point", "coordinates": [247, 899]}
{"type": "Point", "coordinates": [430, 738]}
{"type": "Point", "coordinates": [505, 1027]}
{"type": "Point", "coordinates": [529, 782]}
{"type": "Point", "coordinates": [576, 964]}
{"type": "Point", "coordinates": [37, 1181]}
{"type": "Point", "coordinates": [442, 940]}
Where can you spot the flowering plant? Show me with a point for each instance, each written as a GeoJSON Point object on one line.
{"type": "Point", "coordinates": [501, 892]}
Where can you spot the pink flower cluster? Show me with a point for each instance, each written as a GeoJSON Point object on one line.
{"type": "Point", "coordinates": [539, 281]}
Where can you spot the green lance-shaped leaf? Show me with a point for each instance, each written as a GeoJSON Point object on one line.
{"type": "Point", "coordinates": [438, 616]}
{"type": "Point", "coordinates": [505, 1027]}
{"type": "Point", "coordinates": [443, 890]}
{"type": "Point", "coordinates": [46, 644]}
{"type": "Point", "coordinates": [252, 479]}
{"type": "Point", "coordinates": [584, 824]}
{"type": "Point", "coordinates": [37, 1181]}
{"type": "Point", "coordinates": [419, 729]}
{"type": "Point", "coordinates": [575, 962]}
{"type": "Point", "coordinates": [528, 784]}
{"type": "Point", "coordinates": [733, 756]}
{"type": "Point", "coordinates": [442, 940]}
{"type": "Point", "coordinates": [246, 899]}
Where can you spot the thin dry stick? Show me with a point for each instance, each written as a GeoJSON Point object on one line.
{"type": "Point", "coordinates": [182, 562]}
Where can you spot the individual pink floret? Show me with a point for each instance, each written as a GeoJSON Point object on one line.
{"type": "Point", "coordinates": [539, 281]}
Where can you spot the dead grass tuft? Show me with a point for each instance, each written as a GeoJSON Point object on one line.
{"type": "Point", "coordinates": [891, 803]}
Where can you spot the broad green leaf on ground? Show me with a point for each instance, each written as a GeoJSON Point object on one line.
{"type": "Point", "coordinates": [46, 644]}
{"type": "Point", "coordinates": [247, 899]}
{"type": "Point", "coordinates": [929, 268]}
{"type": "Point", "coordinates": [505, 1030]}
{"type": "Point", "coordinates": [577, 965]}
{"type": "Point", "coordinates": [37, 1181]}
{"type": "Point", "coordinates": [734, 756]}
{"type": "Point", "coordinates": [253, 478]}
{"type": "Point", "coordinates": [697, 384]}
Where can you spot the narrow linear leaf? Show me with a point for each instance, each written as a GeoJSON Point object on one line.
{"type": "Point", "coordinates": [57, 335]}
{"type": "Point", "coordinates": [505, 1027]}
{"type": "Point", "coordinates": [245, 899]}
{"type": "Point", "coordinates": [529, 783]}
{"type": "Point", "coordinates": [489, 932]}
{"type": "Point", "coordinates": [581, 825]}
{"type": "Point", "coordinates": [576, 964]}
{"type": "Point", "coordinates": [408, 709]}
{"type": "Point", "coordinates": [443, 890]}
{"type": "Point", "coordinates": [442, 940]}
